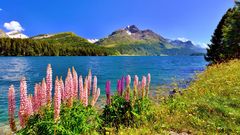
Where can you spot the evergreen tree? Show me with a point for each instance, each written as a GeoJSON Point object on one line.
{"type": "Point", "coordinates": [215, 52]}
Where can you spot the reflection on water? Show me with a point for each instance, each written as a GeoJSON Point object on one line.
{"type": "Point", "coordinates": [162, 70]}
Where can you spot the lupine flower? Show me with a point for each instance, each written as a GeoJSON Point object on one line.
{"type": "Point", "coordinates": [89, 82]}
{"type": "Point", "coordinates": [148, 83]}
{"type": "Point", "coordinates": [128, 80]}
{"type": "Point", "coordinates": [139, 89]}
{"type": "Point", "coordinates": [85, 92]}
{"type": "Point", "coordinates": [62, 89]}
{"type": "Point", "coordinates": [81, 90]}
{"type": "Point", "coordinates": [30, 105]}
{"type": "Point", "coordinates": [57, 100]}
{"type": "Point", "coordinates": [135, 86]}
{"type": "Point", "coordinates": [22, 114]}
{"type": "Point", "coordinates": [96, 96]}
{"type": "Point", "coordinates": [36, 99]}
{"type": "Point", "coordinates": [11, 108]}
{"type": "Point", "coordinates": [144, 80]}
{"type": "Point", "coordinates": [69, 88]}
{"type": "Point", "coordinates": [43, 93]}
{"type": "Point", "coordinates": [119, 87]}
{"type": "Point", "coordinates": [94, 91]}
{"type": "Point", "coordinates": [122, 85]}
{"type": "Point", "coordinates": [49, 84]}
{"type": "Point", "coordinates": [75, 83]}
{"type": "Point", "coordinates": [108, 92]}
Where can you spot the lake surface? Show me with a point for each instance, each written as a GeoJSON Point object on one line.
{"type": "Point", "coordinates": [162, 69]}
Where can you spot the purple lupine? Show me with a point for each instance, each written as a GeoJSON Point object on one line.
{"type": "Point", "coordinates": [75, 83]}
{"type": "Point", "coordinates": [119, 87]}
{"type": "Point", "coordinates": [89, 82]}
{"type": "Point", "coordinates": [49, 84]}
{"type": "Point", "coordinates": [22, 114]}
{"type": "Point", "coordinates": [11, 108]}
{"type": "Point", "coordinates": [57, 100]}
{"type": "Point", "coordinates": [108, 92]}
{"type": "Point", "coordinates": [81, 90]}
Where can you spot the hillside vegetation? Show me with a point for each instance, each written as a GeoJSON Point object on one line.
{"type": "Point", "coordinates": [210, 105]}
{"type": "Point", "coordinates": [63, 44]}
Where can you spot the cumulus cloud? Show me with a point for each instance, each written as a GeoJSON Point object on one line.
{"type": "Point", "coordinates": [13, 26]}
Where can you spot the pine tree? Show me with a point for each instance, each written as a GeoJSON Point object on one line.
{"type": "Point", "coordinates": [215, 52]}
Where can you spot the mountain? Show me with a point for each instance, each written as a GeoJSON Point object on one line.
{"type": "Point", "coordinates": [133, 41]}
{"type": "Point", "coordinates": [16, 34]}
{"type": "Point", "coordinates": [3, 34]}
{"type": "Point", "coordinates": [188, 44]}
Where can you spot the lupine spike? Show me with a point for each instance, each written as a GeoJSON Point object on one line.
{"type": "Point", "coordinates": [11, 108]}
{"type": "Point", "coordinates": [22, 114]}
{"type": "Point", "coordinates": [75, 83]}
{"type": "Point", "coordinates": [36, 103]}
{"type": "Point", "coordinates": [108, 92]}
{"type": "Point", "coordinates": [128, 80]}
{"type": "Point", "coordinates": [135, 86]}
{"type": "Point", "coordinates": [96, 96]}
{"type": "Point", "coordinates": [89, 82]}
{"type": "Point", "coordinates": [43, 93]}
{"type": "Point", "coordinates": [148, 83]}
{"type": "Point", "coordinates": [57, 99]}
{"type": "Point", "coordinates": [69, 88]}
{"type": "Point", "coordinates": [122, 85]}
{"type": "Point", "coordinates": [49, 84]}
{"type": "Point", "coordinates": [85, 92]}
{"type": "Point", "coordinates": [94, 91]}
{"type": "Point", "coordinates": [30, 105]}
{"type": "Point", "coordinates": [81, 90]}
{"type": "Point", "coordinates": [143, 85]}
{"type": "Point", "coordinates": [62, 89]}
{"type": "Point", "coordinates": [119, 88]}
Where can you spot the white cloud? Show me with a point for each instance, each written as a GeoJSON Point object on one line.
{"type": "Point", "coordinates": [13, 26]}
{"type": "Point", "coordinates": [183, 39]}
{"type": "Point", "coordinates": [1, 9]}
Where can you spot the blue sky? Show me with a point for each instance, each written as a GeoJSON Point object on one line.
{"type": "Point", "coordinates": [191, 19]}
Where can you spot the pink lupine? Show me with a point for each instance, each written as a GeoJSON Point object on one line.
{"type": "Point", "coordinates": [135, 86]}
{"type": "Point", "coordinates": [148, 83]}
{"type": "Point", "coordinates": [81, 90]}
{"type": "Point", "coordinates": [23, 114]}
{"type": "Point", "coordinates": [11, 108]}
{"type": "Point", "coordinates": [57, 99]}
{"type": "Point", "coordinates": [36, 99]}
{"type": "Point", "coordinates": [75, 83]}
{"type": "Point", "coordinates": [49, 84]}
{"type": "Point", "coordinates": [30, 105]}
{"type": "Point", "coordinates": [69, 88]}
{"type": "Point", "coordinates": [85, 92]}
{"type": "Point", "coordinates": [139, 89]}
{"type": "Point", "coordinates": [96, 96]}
{"type": "Point", "coordinates": [128, 80]}
{"type": "Point", "coordinates": [89, 82]}
{"type": "Point", "coordinates": [43, 93]}
{"type": "Point", "coordinates": [119, 88]}
{"type": "Point", "coordinates": [62, 89]}
{"type": "Point", "coordinates": [108, 92]}
{"type": "Point", "coordinates": [94, 90]}
{"type": "Point", "coordinates": [144, 80]}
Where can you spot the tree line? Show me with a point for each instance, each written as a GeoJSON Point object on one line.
{"type": "Point", "coordinates": [31, 47]}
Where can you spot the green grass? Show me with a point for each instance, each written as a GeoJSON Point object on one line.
{"type": "Point", "coordinates": [210, 105]}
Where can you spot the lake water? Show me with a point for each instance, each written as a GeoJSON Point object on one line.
{"type": "Point", "coordinates": [162, 69]}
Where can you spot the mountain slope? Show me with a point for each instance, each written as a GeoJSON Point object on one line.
{"type": "Point", "coordinates": [133, 41]}
{"type": "Point", "coordinates": [3, 34]}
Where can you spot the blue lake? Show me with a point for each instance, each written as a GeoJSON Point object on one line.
{"type": "Point", "coordinates": [162, 69]}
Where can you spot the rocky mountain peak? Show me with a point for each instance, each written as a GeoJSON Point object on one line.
{"type": "Point", "coordinates": [132, 29]}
